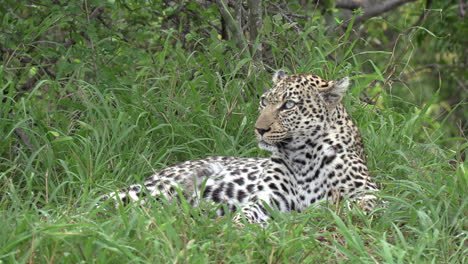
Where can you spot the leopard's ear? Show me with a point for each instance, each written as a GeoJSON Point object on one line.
{"type": "Point", "coordinates": [278, 76]}
{"type": "Point", "coordinates": [333, 94]}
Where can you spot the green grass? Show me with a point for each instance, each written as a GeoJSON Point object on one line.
{"type": "Point", "coordinates": [92, 132]}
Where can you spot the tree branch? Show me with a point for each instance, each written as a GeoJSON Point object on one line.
{"type": "Point", "coordinates": [255, 25]}
{"type": "Point", "coordinates": [232, 25]}
{"type": "Point", "coordinates": [370, 9]}
{"type": "Point", "coordinates": [461, 8]}
{"type": "Point", "coordinates": [376, 10]}
{"type": "Point", "coordinates": [351, 4]}
{"type": "Point", "coordinates": [423, 16]}
{"type": "Point", "coordinates": [287, 16]}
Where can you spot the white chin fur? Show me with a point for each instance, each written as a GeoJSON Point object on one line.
{"type": "Point", "coordinates": [265, 146]}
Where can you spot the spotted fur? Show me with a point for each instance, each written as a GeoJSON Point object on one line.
{"type": "Point", "coordinates": [316, 154]}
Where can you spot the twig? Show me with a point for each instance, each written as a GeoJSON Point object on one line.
{"type": "Point", "coordinates": [287, 16]}
{"type": "Point", "coordinates": [47, 186]}
{"type": "Point", "coordinates": [390, 65]}
{"type": "Point", "coordinates": [420, 20]}
{"type": "Point", "coordinates": [461, 84]}
{"type": "Point", "coordinates": [423, 16]}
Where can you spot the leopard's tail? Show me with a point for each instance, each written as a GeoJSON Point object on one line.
{"type": "Point", "coordinates": [166, 187]}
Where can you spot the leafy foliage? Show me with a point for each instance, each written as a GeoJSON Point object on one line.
{"type": "Point", "coordinates": [97, 94]}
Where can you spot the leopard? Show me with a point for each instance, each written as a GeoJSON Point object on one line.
{"type": "Point", "coordinates": [316, 154]}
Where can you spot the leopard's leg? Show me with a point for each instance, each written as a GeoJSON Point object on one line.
{"type": "Point", "coordinates": [365, 201]}
{"type": "Point", "coordinates": [257, 209]}
{"type": "Point", "coordinates": [364, 197]}
{"type": "Point", "coordinates": [252, 213]}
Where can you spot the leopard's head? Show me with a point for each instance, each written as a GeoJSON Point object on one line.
{"type": "Point", "coordinates": [296, 106]}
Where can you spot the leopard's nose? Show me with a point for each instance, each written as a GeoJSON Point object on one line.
{"type": "Point", "coordinates": [262, 131]}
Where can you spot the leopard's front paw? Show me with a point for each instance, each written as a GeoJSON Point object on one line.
{"type": "Point", "coordinates": [237, 220]}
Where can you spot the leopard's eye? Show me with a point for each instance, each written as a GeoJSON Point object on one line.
{"type": "Point", "coordinates": [289, 104]}
{"type": "Point", "coordinates": [263, 102]}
